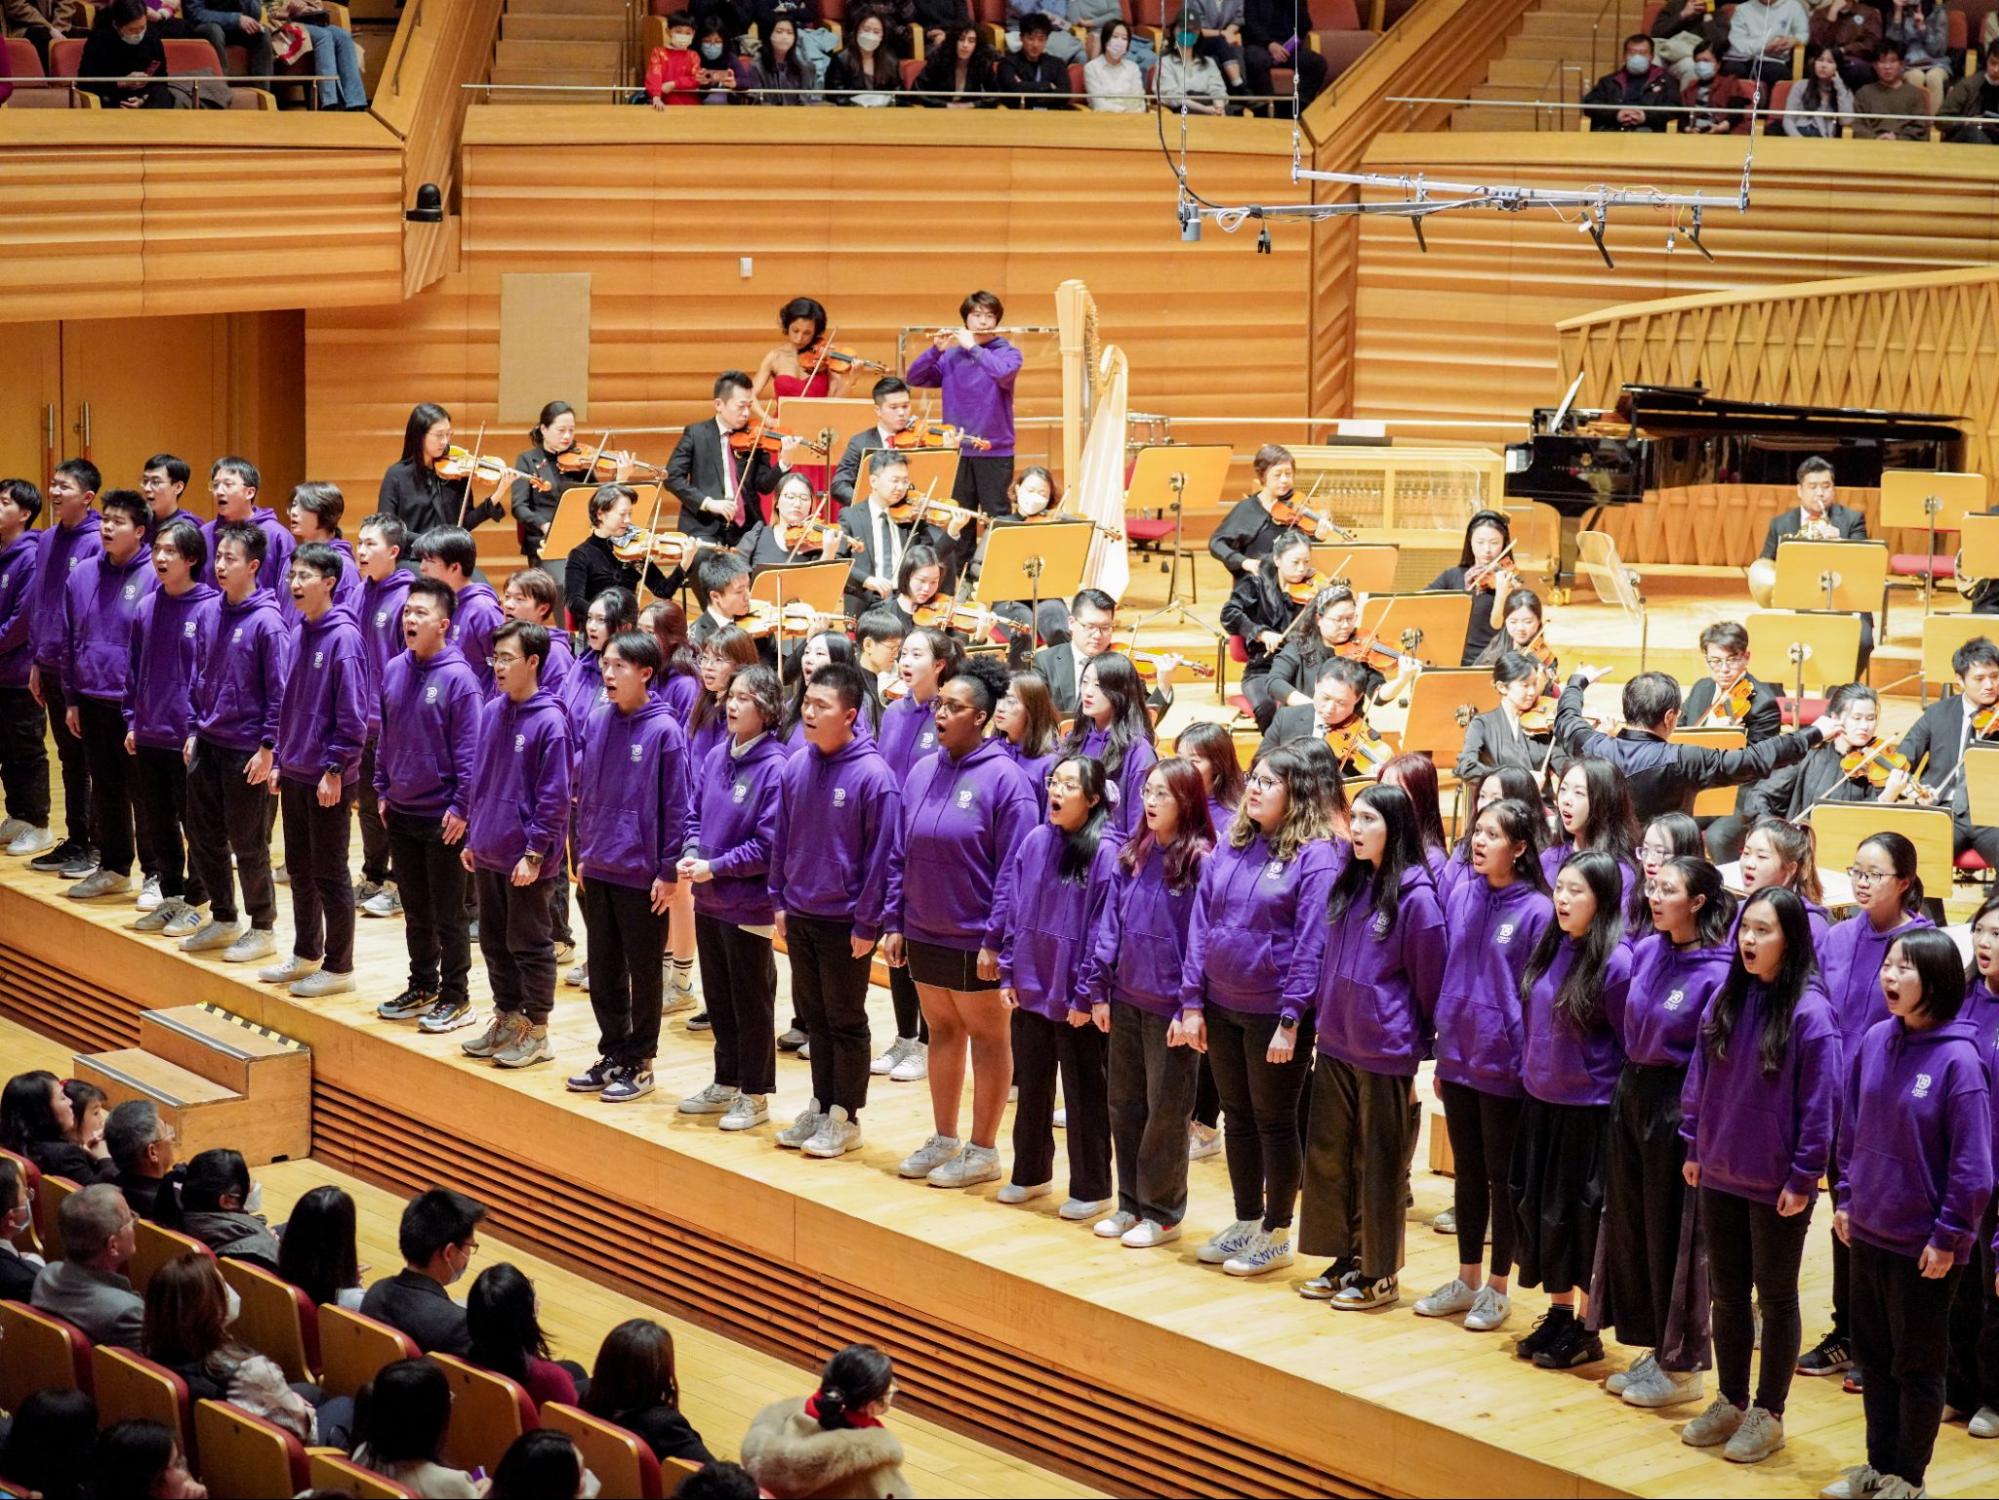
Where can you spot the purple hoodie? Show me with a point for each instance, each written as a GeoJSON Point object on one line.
{"type": "Point", "coordinates": [681, 690]}
{"type": "Point", "coordinates": [520, 785]}
{"type": "Point", "coordinates": [59, 551]}
{"type": "Point", "coordinates": [1981, 1011]}
{"type": "Point", "coordinates": [424, 764]}
{"type": "Point", "coordinates": [170, 639]}
{"type": "Point", "coordinates": [1754, 1136]}
{"type": "Point", "coordinates": [476, 620]}
{"type": "Point", "coordinates": [17, 576]}
{"type": "Point", "coordinates": [323, 723]}
{"type": "Point", "coordinates": [1259, 929]}
{"type": "Point", "coordinates": [241, 682]}
{"type": "Point", "coordinates": [583, 694]}
{"type": "Point", "coordinates": [1559, 1064]}
{"type": "Point", "coordinates": [632, 791]}
{"type": "Point", "coordinates": [558, 668]}
{"type": "Point", "coordinates": [380, 613]}
{"type": "Point", "coordinates": [274, 573]}
{"type": "Point", "coordinates": [978, 388]}
{"type": "Point", "coordinates": [1139, 945]}
{"type": "Point", "coordinates": [702, 743]}
{"type": "Point", "coordinates": [1850, 969]}
{"type": "Point", "coordinates": [1045, 921]}
{"type": "Point", "coordinates": [734, 825]}
{"type": "Point", "coordinates": [1378, 986]}
{"type": "Point", "coordinates": [962, 820]}
{"type": "Point", "coordinates": [1139, 759]}
{"type": "Point", "coordinates": [100, 603]}
{"type": "Point", "coordinates": [1659, 1015]}
{"type": "Point", "coordinates": [908, 733]}
{"type": "Point", "coordinates": [347, 588]}
{"type": "Point", "coordinates": [836, 822]}
{"type": "Point", "coordinates": [1492, 934]}
{"type": "Point", "coordinates": [1915, 1158]}
{"type": "Point", "coordinates": [1551, 866]}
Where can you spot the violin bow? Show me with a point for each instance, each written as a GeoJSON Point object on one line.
{"type": "Point", "coordinates": [471, 470]}
{"type": "Point", "coordinates": [825, 348]}
{"type": "Point", "coordinates": [646, 568]}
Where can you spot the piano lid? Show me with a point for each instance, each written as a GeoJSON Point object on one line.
{"type": "Point", "coordinates": [1665, 410]}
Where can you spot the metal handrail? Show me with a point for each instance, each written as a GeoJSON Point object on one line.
{"type": "Point", "coordinates": [1740, 111]}
{"type": "Point", "coordinates": [818, 94]}
{"type": "Point", "coordinates": [1596, 26]}
{"type": "Point", "coordinates": [402, 54]}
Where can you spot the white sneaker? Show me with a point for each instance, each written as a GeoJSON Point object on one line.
{"type": "Point", "coordinates": [713, 1100]}
{"type": "Point", "coordinates": [578, 976]}
{"type": "Point", "coordinates": [678, 998]}
{"type": "Point", "coordinates": [321, 982]}
{"type": "Point", "coordinates": [882, 1066]}
{"type": "Point", "coordinates": [290, 971]}
{"type": "Point", "coordinates": [387, 902]}
{"type": "Point", "coordinates": [794, 1136]}
{"type": "Point", "coordinates": [915, 1065]}
{"type": "Point", "coordinates": [1760, 1436]}
{"type": "Point", "coordinates": [837, 1135]}
{"type": "Point", "coordinates": [1640, 1369]}
{"type": "Point", "coordinates": [1224, 1243]}
{"type": "Point", "coordinates": [1447, 1301]}
{"type": "Point", "coordinates": [1985, 1424]}
{"type": "Point", "coordinates": [1662, 1388]}
{"type": "Point", "coordinates": [1014, 1192]}
{"type": "Point", "coordinates": [969, 1168]}
{"type": "Point", "coordinates": [748, 1112]}
{"type": "Point", "coordinates": [149, 894]}
{"type": "Point", "coordinates": [1077, 1210]}
{"type": "Point", "coordinates": [211, 935]}
{"type": "Point", "coordinates": [1203, 1141]}
{"type": "Point", "coordinates": [1062, 1118]}
{"type": "Point", "coordinates": [931, 1154]}
{"type": "Point", "coordinates": [1714, 1426]}
{"type": "Point", "coordinates": [1116, 1226]}
{"type": "Point", "coordinates": [31, 841]}
{"type": "Point", "coordinates": [1488, 1311]}
{"type": "Point", "coordinates": [1445, 1222]}
{"type": "Point", "coordinates": [258, 942]}
{"type": "Point", "coordinates": [1267, 1252]}
{"type": "Point", "coordinates": [1895, 1487]}
{"type": "Point", "coordinates": [1861, 1482]}
{"type": "Point", "coordinates": [1149, 1233]}
{"type": "Point", "coordinates": [182, 921]}
{"type": "Point", "coordinates": [12, 829]}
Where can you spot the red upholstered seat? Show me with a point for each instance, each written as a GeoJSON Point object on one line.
{"type": "Point", "coordinates": [1915, 565]}
{"type": "Point", "coordinates": [1971, 862]}
{"type": "Point", "coordinates": [1812, 707]}
{"type": "Point", "coordinates": [1147, 532]}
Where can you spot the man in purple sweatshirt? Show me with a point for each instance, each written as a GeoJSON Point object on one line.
{"type": "Point", "coordinates": [100, 602]}
{"type": "Point", "coordinates": [976, 368]}
{"type": "Point", "coordinates": [429, 731]}
{"type": "Point", "coordinates": [449, 555]}
{"type": "Point", "coordinates": [314, 516]}
{"type": "Point", "coordinates": [72, 539]}
{"type": "Point", "coordinates": [163, 482]}
{"type": "Point", "coordinates": [322, 727]}
{"type": "Point", "coordinates": [238, 689]}
{"type": "Point", "coordinates": [233, 483]}
{"type": "Point", "coordinates": [520, 815]}
{"type": "Point", "coordinates": [170, 637]}
{"type": "Point", "coordinates": [535, 598]}
{"type": "Point", "coordinates": [24, 755]}
{"type": "Point", "coordinates": [631, 822]}
{"type": "Point", "coordinates": [828, 876]}
{"type": "Point", "coordinates": [385, 584]}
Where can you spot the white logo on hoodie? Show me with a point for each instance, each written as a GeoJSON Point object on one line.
{"type": "Point", "coordinates": [1675, 1000]}
{"type": "Point", "coordinates": [1922, 1088]}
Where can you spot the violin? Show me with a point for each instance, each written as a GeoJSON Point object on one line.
{"type": "Point", "coordinates": [458, 463]}
{"type": "Point", "coordinates": [1361, 647]}
{"type": "Point", "coordinates": [597, 463]}
{"type": "Point", "coordinates": [1732, 706]}
{"type": "Point", "coordinates": [1873, 763]}
{"type": "Point", "coordinates": [810, 535]}
{"type": "Point", "coordinates": [1485, 575]}
{"type": "Point", "coordinates": [761, 437]}
{"type": "Point", "coordinates": [796, 618]}
{"type": "Point", "coordinates": [945, 613]}
{"type": "Point", "coordinates": [936, 512]}
{"type": "Point", "coordinates": [1316, 524]}
{"type": "Point", "coordinates": [1151, 664]}
{"type": "Point", "coordinates": [1537, 721]}
{"type": "Point", "coordinates": [1305, 591]}
{"type": "Point", "coordinates": [924, 433]}
{"type": "Point", "coordinates": [1354, 743]}
{"type": "Point", "coordinates": [839, 361]}
{"type": "Point", "coordinates": [663, 548]}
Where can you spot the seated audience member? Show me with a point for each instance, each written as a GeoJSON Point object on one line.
{"type": "Point", "coordinates": [1630, 98]}
{"type": "Point", "coordinates": [121, 46]}
{"type": "Point", "coordinates": [1115, 83]}
{"type": "Point", "coordinates": [832, 1442]}
{"type": "Point", "coordinates": [400, 1419]}
{"type": "Point", "coordinates": [169, 20]}
{"type": "Point", "coordinates": [36, 1121]}
{"type": "Point", "coordinates": [316, 1252]}
{"type": "Point", "coordinates": [18, 1269]}
{"type": "Point", "coordinates": [1720, 100]}
{"type": "Point", "coordinates": [141, 1458]}
{"type": "Point", "coordinates": [636, 1386]}
{"type": "Point", "coordinates": [1922, 28]}
{"type": "Point", "coordinates": [1820, 103]}
{"type": "Point", "coordinates": [1891, 108]}
{"type": "Point", "coordinates": [718, 1481]}
{"type": "Point", "coordinates": [142, 1149]}
{"type": "Point", "coordinates": [1680, 30]}
{"type": "Point", "coordinates": [542, 1465]}
{"type": "Point", "coordinates": [1187, 76]}
{"type": "Point", "coordinates": [328, 50]}
{"type": "Point", "coordinates": [89, 1288]}
{"type": "Point", "coordinates": [49, 1448]}
{"type": "Point", "coordinates": [815, 39]}
{"type": "Point", "coordinates": [1970, 112]}
{"type": "Point", "coordinates": [1217, 28]}
{"type": "Point", "coordinates": [1058, 40]}
{"type": "Point", "coordinates": [42, 22]}
{"type": "Point", "coordinates": [1270, 40]}
{"type": "Point", "coordinates": [1761, 36]}
{"type": "Point", "coordinates": [865, 71]}
{"type": "Point", "coordinates": [241, 23]}
{"type": "Point", "coordinates": [88, 1111]}
{"type": "Point", "coordinates": [187, 1330]}
{"type": "Point", "coordinates": [937, 18]}
{"type": "Point", "coordinates": [214, 1203]}
{"type": "Point", "coordinates": [438, 1238]}
{"type": "Point", "coordinates": [780, 74]}
{"type": "Point", "coordinates": [1852, 29]}
{"type": "Point", "coordinates": [501, 1320]}
{"type": "Point", "coordinates": [673, 72]}
{"type": "Point", "coordinates": [1035, 69]}
{"type": "Point", "coordinates": [1094, 15]}
{"type": "Point", "coordinates": [959, 74]}
{"type": "Point", "coordinates": [715, 51]}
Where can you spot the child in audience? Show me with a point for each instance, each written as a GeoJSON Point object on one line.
{"type": "Point", "coordinates": [673, 72]}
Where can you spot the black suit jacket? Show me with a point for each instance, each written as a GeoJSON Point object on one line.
{"type": "Point", "coordinates": [1852, 526]}
{"type": "Point", "coordinates": [698, 471]}
{"type": "Point", "coordinates": [1815, 779]}
{"type": "Point", "coordinates": [421, 1308]}
{"type": "Point", "coordinates": [1492, 739]}
{"type": "Point", "coordinates": [1765, 720]}
{"type": "Point", "coordinates": [1058, 665]}
{"type": "Point", "coordinates": [1936, 734]}
{"type": "Point", "coordinates": [847, 472]}
{"type": "Point", "coordinates": [17, 1277]}
{"type": "Point", "coordinates": [856, 521]}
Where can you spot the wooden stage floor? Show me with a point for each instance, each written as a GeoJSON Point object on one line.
{"type": "Point", "coordinates": [1139, 1372]}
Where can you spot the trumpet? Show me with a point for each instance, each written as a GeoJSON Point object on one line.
{"type": "Point", "coordinates": [1763, 572]}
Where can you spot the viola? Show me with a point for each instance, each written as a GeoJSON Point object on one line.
{"type": "Point", "coordinates": [1361, 647]}
{"type": "Point", "coordinates": [458, 463]}
{"type": "Point", "coordinates": [1308, 589]}
{"type": "Point", "coordinates": [945, 613]}
{"type": "Point", "coordinates": [663, 548]}
{"type": "Point", "coordinates": [761, 437]}
{"type": "Point", "coordinates": [599, 463]}
{"type": "Point", "coordinates": [1874, 763]}
{"type": "Point", "coordinates": [936, 512]}
{"type": "Point", "coordinates": [1486, 575]}
{"type": "Point", "coordinates": [924, 433]}
{"type": "Point", "coordinates": [1151, 664]}
{"type": "Point", "coordinates": [1537, 721]}
{"type": "Point", "coordinates": [840, 361]}
{"type": "Point", "coordinates": [1356, 744]}
{"type": "Point", "coordinates": [796, 618]}
{"type": "Point", "coordinates": [1732, 706]}
{"type": "Point", "coordinates": [810, 535]}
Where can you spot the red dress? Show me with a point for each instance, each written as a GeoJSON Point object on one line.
{"type": "Point", "coordinates": [787, 386]}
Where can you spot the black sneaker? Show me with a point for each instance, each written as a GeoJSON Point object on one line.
{"type": "Point", "coordinates": [700, 1022]}
{"type": "Point", "coordinates": [593, 1078]}
{"type": "Point", "coordinates": [1833, 1355]}
{"type": "Point", "coordinates": [407, 1006]}
{"type": "Point", "coordinates": [1852, 1384]}
{"type": "Point", "coordinates": [63, 853]}
{"type": "Point", "coordinates": [1571, 1348]}
{"type": "Point", "coordinates": [1545, 1333]}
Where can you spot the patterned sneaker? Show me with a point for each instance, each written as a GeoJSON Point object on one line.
{"type": "Point", "coordinates": [321, 983]}
{"type": "Point", "coordinates": [1760, 1435]}
{"type": "Point", "coordinates": [150, 896]}
{"type": "Point", "coordinates": [1116, 1227]}
{"type": "Point", "coordinates": [1203, 1141]}
{"type": "Point", "coordinates": [291, 969]}
{"type": "Point", "coordinates": [1662, 1388]}
{"type": "Point", "coordinates": [915, 1065]}
{"type": "Point", "coordinates": [1362, 1295]}
{"type": "Point", "coordinates": [1832, 1355]}
{"type": "Point", "coordinates": [626, 1084]}
{"type": "Point", "coordinates": [1895, 1487]}
{"type": "Point", "coordinates": [1714, 1426]}
{"type": "Point", "coordinates": [592, 1079]}
{"type": "Point", "coordinates": [794, 1136]}
{"type": "Point", "coordinates": [931, 1154]}
{"type": "Point", "coordinates": [408, 1006]}
{"type": "Point", "coordinates": [447, 1015]}
{"type": "Point", "coordinates": [969, 1168]}
{"type": "Point", "coordinates": [1488, 1311]}
{"type": "Point", "coordinates": [1227, 1242]}
{"type": "Point", "coordinates": [882, 1066]}
{"type": "Point", "coordinates": [1016, 1192]}
{"type": "Point", "coordinates": [80, 866]}
{"type": "Point", "coordinates": [52, 859]}
{"type": "Point", "coordinates": [162, 912]}
{"type": "Point", "coordinates": [258, 942]}
{"type": "Point", "coordinates": [211, 936]}
{"type": "Point", "coordinates": [1326, 1285]}
{"type": "Point", "coordinates": [185, 922]}
{"type": "Point", "coordinates": [1147, 1234]}
{"type": "Point", "coordinates": [386, 902]}
{"type": "Point", "coordinates": [1641, 1368]}
{"type": "Point", "coordinates": [715, 1099]}
{"type": "Point", "coordinates": [836, 1136]}
{"type": "Point", "coordinates": [1447, 1301]}
{"type": "Point", "coordinates": [1269, 1251]}
{"type": "Point", "coordinates": [366, 891]}
{"type": "Point", "coordinates": [499, 1032]}
{"type": "Point", "coordinates": [748, 1112]}
{"type": "Point", "coordinates": [530, 1044]}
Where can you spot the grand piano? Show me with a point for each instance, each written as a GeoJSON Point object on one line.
{"type": "Point", "coordinates": [1661, 437]}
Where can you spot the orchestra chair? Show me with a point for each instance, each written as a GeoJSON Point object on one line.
{"type": "Point", "coordinates": [353, 1349]}
{"type": "Point", "coordinates": [153, 1247]}
{"type": "Point", "coordinates": [1238, 653]}
{"type": "Point", "coordinates": [278, 1320]}
{"type": "Point", "coordinates": [333, 1470]}
{"type": "Point", "coordinates": [54, 1193]}
{"type": "Point", "coordinates": [622, 1461]}
{"type": "Point", "coordinates": [244, 1457]}
{"type": "Point", "coordinates": [488, 1412]}
{"type": "Point", "coordinates": [29, 1239]}
{"type": "Point", "coordinates": [130, 1386]}
{"type": "Point", "coordinates": [44, 1353]}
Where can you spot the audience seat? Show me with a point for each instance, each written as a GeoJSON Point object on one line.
{"type": "Point", "coordinates": [332, 1471]}
{"type": "Point", "coordinates": [25, 64]}
{"type": "Point", "coordinates": [352, 1348]}
{"type": "Point", "coordinates": [621, 1460]}
{"type": "Point", "coordinates": [1076, 89]}
{"type": "Point", "coordinates": [488, 1412]}
{"type": "Point", "coordinates": [30, 1174]}
{"type": "Point", "coordinates": [43, 1353]}
{"type": "Point", "coordinates": [678, 1470]}
{"type": "Point", "coordinates": [1334, 15]}
{"type": "Point", "coordinates": [244, 1457]}
{"type": "Point", "coordinates": [129, 1385]}
{"type": "Point", "coordinates": [911, 68]}
{"type": "Point", "coordinates": [991, 16]}
{"type": "Point", "coordinates": [54, 1193]}
{"type": "Point", "coordinates": [278, 1320]}
{"type": "Point", "coordinates": [153, 1247]}
{"type": "Point", "coordinates": [1239, 654]}
{"type": "Point", "coordinates": [1342, 49]}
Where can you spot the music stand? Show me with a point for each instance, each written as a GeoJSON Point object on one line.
{"type": "Point", "coordinates": [1842, 827]}
{"type": "Point", "coordinates": [1714, 801]}
{"type": "Point", "coordinates": [1850, 576]}
{"type": "Point", "coordinates": [1615, 584]}
{"type": "Point", "coordinates": [1978, 547]}
{"type": "Point", "coordinates": [1172, 477]}
{"type": "Point", "coordinates": [820, 586]}
{"type": "Point", "coordinates": [1981, 785]}
{"type": "Point", "coordinates": [1442, 703]}
{"type": "Point", "coordinates": [1034, 563]}
{"type": "Point", "coordinates": [1932, 502]}
{"type": "Point", "coordinates": [1815, 649]}
{"type": "Point", "coordinates": [1942, 635]}
{"type": "Point", "coordinates": [832, 420]}
{"type": "Point", "coordinates": [928, 467]}
{"type": "Point", "coordinates": [1443, 617]}
{"type": "Point", "coordinates": [1366, 567]}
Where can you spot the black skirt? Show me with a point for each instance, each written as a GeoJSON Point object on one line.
{"type": "Point", "coordinates": [1557, 1183]}
{"type": "Point", "coordinates": [945, 968]}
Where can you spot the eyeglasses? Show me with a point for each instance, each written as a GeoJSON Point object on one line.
{"type": "Point", "coordinates": [1263, 783]}
{"type": "Point", "coordinates": [1056, 782]}
{"type": "Point", "coordinates": [504, 661]}
{"type": "Point", "coordinates": [1861, 876]}
{"type": "Point", "coordinates": [1724, 663]}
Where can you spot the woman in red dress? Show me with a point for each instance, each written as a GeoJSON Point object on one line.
{"type": "Point", "coordinates": [786, 371]}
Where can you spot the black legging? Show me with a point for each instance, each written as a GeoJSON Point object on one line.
{"type": "Point", "coordinates": [1260, 1098]}
{"type": "Point", "coordinates": [1481, 1127]}
{"type": "Point", "coordinates": [1750, 1246]}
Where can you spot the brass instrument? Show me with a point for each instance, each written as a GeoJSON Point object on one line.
{"type": "Point", "coordinates": [1763, 572]}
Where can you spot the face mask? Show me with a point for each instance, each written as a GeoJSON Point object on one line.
{"type": "Point", "coordinates": [254, 1204]}
{"type": "Point", "coordinates": [868, 41]}
{"type": "Point", "coordinates": [1032, 502]}
{"type": "Point", "coordinates": [682, 40]}
{"type": "Point", "coordinates": [1703, 70]}
{"type": "Point", "coordinates": [1637, 64]}
{"type": "Point", "coordinates": [133, 39]}
{"type": "Point", "coordinates": [1115, 49]}
{"type": "Point", "coordinates": [232, 1303]}
{"type": "Point", "coordinates": [1190, 39]}
{"type": "Point", "coordinates": [711, 50]}
{"type": "Point", "coordinates": [17, 1220]}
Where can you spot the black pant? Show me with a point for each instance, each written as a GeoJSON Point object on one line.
{"type": "Point", "coordinates": [1901, 1327]}
{"type": "Point", "coordinates": [316, 845]}
{"type": "Point", "coordinates": [1481, 1128]}
{"type": "Point", "coordinates": [24, 757]}
{"type": "Point", "coordinates": [1974, 1328]}
{"type": "Point", "coordinates": [1752, 1247]}
{"type": "Point", "coordinates": [624, 935]}
{"type": "Point", "coordinates": [908, 1006]}
{"type": "Point", "coordinates": [1207, 1098]}
{"type": "Point", "coordinates": [982, 483]}
{"type": "Point", "coordinates": [739, 981]}
{"type": "Point", "coordinates": [1644, 1196]}
{"type": "Point", "coordinates": [432, 882]}
{"type": "Point", "coordinates": [558, 911]}
{"type": "Point", "coordinates": [1151, 1091]}
{"type": "Point", "coordinates": [225, 816]}
{"type": "Point", "coordinates": [1257, 65]}
{"type": "Point", "coordinates": [1842, 1288]}
{"type": "Point", "coordinates": [374, 831]}
{"type": "Point", "coordinates": [515, 942]}
{"type": "Point", "coordinates": [111, 784]}
{"type": "Point", "coordinates": [70, 755]}
{"type": "Point", "coordinates": [1357, 1167]}
{"type": "Point", "coordinates": [1260, 1103]}
{"type": "Point", "coordinates": [1040, 1048]}
{"type": "Point", "coordinates": [161, 777]}
{"type": "Point", "coordinates": [1968, 835]}
{"type": "Point", "coordinates": [829, 988]}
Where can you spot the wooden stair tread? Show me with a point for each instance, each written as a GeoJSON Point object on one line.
{"type": "Point", "coordinates": [221, 1030]}
{"type": "Point", "coordinates": [157, 1078]}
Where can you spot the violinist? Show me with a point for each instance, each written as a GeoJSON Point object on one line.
{"type": "Point", "coordinates": [1729, 694]}
{"type": "Point", "coordinates": [1853, 714]}
{"type": "Point", "coordinates": [1330, 630]}
{"type": "Point", "coordinates": [1261, 611]}
{"type": "Point", "coordinates": [1515, 733]}
{"type": "Point", "coordinates": [917, 584]}
{"type": "Point", "coordinates": [785, 539]}
{"type": "Point", "coordinates": [1338, 694]}
{"type": "Point", "coordinates": [415, 493]}
{"type": "Point", "coordinates": [717, 485]}
{"type": "Point", "coordinates": [1521, 629]}
{"type": "Point", "coordinates": [976, 366]}
{"type": "Point", "coordinates": [1248, 532]}
{"type": "Point", "coordinates": [553, 435]}
{"type": "Point", "coordinates": [1937, 742]}
{"type": "Point", "coordinates": [883, 540]}
{"type": "Point", "coordinates": [592, 566]}
{"type": "Point", "coordinates": [892, 417]}
{"type": "Point", "coordinates": [1030, 498]}
{"type": "Point", "coordinates": [722, 584]}
{"type": "Point", "coordinates": [790, 369]}
{"type": "Point", "coordinates": [1480, 571]}
{"type": "Point", "coordinates": [878, 638]}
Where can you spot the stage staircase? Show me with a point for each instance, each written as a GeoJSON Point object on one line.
{"type": "Point", "coordinates": [561, 42]}
{"type": "Point", "coordinates": [1558, 52]}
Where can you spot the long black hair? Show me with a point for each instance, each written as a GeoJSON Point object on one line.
{"type": "Point", "coordinates": [838, 649]}
{"type": "Point", "coordinates": [1079, 849]}
{"type": "Point", "coordinates": [1780, 996]}
{"type": "Point", "coordinates": [317, 1252]}
{"type": "Point", "coordinates": [1493, 518]}
{"type": "Point", "coordinates": [1516, 784]}
{"type": "Point", "coordinates": [1117, 680]}
{"type": "Point", "coordinates": [1521, 823]}
{"type": "Point", "coordinates": [1276, 599]}
{"type": "Point", "coordinates": [1610, 827]}
{"type": "Point", "coordinates": [1683, 836]}
{"type": "Point", "coordinates": [857, 1376]}
{"type": "Point", "coordinates": [1714, 920]}
{"type": "Point", "coordinates": [1401, 849]}
{"type": "Point", "coordinates": [423, 416]}
{"type": "Point", "coordinates": [500, 1318]}
{"type": "Point", "coordinates": [28, 1112]}
{"type": "Point", "coordinates": [1579, 1001]}
{"type": "Point", "coordinates": [1985, 909]}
